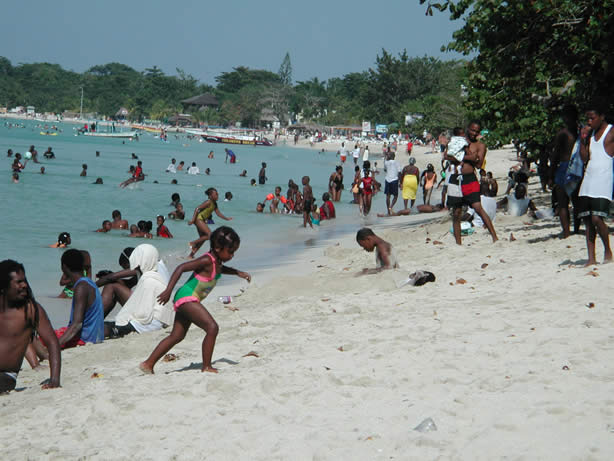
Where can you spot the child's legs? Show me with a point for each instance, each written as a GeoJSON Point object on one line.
{"type": "Point", "coordinates": [204, 232]}
{"type": "Point", "coordinates": [199, 316]}
{"type": "Point", "coordinates": [180, 328]}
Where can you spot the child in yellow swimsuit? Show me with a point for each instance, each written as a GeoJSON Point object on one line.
{"type": "Point", "coordinates": [202, 214]}
{"type": "Point", "coordinates": [207, 269]}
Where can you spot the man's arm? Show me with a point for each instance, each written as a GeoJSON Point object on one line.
{"type": "Point", "coordinates": [53, 346]}
{"type": "Point", "coordinates": [80, 304]}
{"type": "Point", "coordinates": [585, 134]}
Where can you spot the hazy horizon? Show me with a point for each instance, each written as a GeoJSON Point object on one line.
{"type": "Point", "coordinates": [324, 39]}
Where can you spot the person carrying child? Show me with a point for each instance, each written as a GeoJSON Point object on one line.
{"type": "Point", "coordinates": [207, 269]}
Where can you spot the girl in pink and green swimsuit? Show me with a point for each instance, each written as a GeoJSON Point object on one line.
{"type": "Point", "coordinates": [207, 269]}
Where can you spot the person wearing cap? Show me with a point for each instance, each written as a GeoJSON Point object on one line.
{"type": "Point", "coordinates": [409, 182]}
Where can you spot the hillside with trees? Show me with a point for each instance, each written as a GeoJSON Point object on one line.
{"type": "Point", "coordinates": [394, 87]}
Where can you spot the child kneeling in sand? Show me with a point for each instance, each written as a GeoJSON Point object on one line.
{"type": "Point", "coordinates": [385, 257]}
{"type": "Point", "coordinates": [207, 270]}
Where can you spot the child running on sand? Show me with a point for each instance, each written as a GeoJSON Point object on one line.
{"type": "Point", "coordinates": [202, 214]}
{"type": "Point", "coordinates": [207, 269]}
{"type": "Point", "coordinates": [385, 257]}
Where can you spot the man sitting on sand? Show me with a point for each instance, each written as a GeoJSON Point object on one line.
{"type": "Point", "coordinates": [86, 314]}
{"type": "Point", "coordinates": [20, 318]}
{"type": "Point", "coordinates": [518, 203]}
{"type": "Point", "coordinates": [385, 257]}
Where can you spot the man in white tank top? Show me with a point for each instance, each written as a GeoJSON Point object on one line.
{"type": "Point", "coordinates": [596, 190]}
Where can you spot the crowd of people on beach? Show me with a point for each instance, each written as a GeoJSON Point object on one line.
{"type": "Point", "coordinates": [580, 171]}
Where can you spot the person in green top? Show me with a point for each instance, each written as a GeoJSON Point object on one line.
{"type": "Point", "coordinates": [202, 217]}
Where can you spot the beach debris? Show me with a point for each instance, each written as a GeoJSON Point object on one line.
{"type": "Point", "coordinates": [426, 425]}
{"type": "Point", "coordinates": [231, 308]}
{"type": "Point", "coordinates": [461, 281]}
{"type": "Point", "coordinates": [327, 368]}
{"type": "Point", "coordinates": [346, 268]}
{"type": "Point", "coordinates": [340, 348]}
{"type": "Point", "coordinates": [502, 260]}
{"type": "Point", "coordinates": [565, 367]}
{"type": "Point", "coordinates": [512, 238]}
{"type": "Point", "coordinates": [484, 266]}
{"type": "Point", "coordinates": [320, 265]}
{"type": "Point", "coordinates": [251, 354]}
{"type": "Point", "coordinates": [568, 246]}
{"type": "Point", "coordinates": [428, 240]}
{"type": "Point", "coordinates": [335, 311]}
{"type": "Point", "coordinates": [325, 299]}
{"type": "Point", "coordinates": [170, 358]}
{"type": "Point", "coordinates": [593, 273]}
{"type": "Point", "coordinates": [590, 305]}
{"type": "Point", "coordinates": [244, 323]}
{"type": "Point", "coordinates": [225, 299]}
{"type": "Point", "coordinates": [96, 375]}
{"type": "Point", "coordinates": [437, 242]}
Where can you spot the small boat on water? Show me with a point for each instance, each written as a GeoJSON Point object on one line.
{"type": "Point", "coordinates": [105, 130]}
{"type": "Point", "coordinates": [251, 138]}
{"type": "Point", "coordinates": [48, 133]}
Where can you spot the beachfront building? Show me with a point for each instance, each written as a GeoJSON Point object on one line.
{"type": "Point", "coordinates": [200, 102]}
{"type": "Point", "coordinates": [121, 114]}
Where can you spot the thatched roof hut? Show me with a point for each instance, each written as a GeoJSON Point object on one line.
{"type": "Point", "coordinates": [200, 102]}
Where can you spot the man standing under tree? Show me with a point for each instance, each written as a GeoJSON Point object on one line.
{"type": "Point", "coordinates": [597, 148]}
{"type": "Point", "coordinates": [468, 182]}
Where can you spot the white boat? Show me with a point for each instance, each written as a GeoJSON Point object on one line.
{"type": "Point", "coordinates": [126, 134]}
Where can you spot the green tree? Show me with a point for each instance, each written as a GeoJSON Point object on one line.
{"type": "Point", "coordinates": [285, 71]}
{"type": "Point", "coordinates": [532, 57]}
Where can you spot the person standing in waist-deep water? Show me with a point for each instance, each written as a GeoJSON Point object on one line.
{"type": "Point", "coordinates": [262, 174]}
{"type": "Point", "coordinates": [595, 196]}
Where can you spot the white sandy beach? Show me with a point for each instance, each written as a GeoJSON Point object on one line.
{"type": "Point", "coordinates": [503, 352]}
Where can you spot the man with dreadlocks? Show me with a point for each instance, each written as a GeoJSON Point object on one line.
{"type": "Point", "coordinates": [20, 317]}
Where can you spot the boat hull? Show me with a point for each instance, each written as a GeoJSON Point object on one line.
{"type": "Point", "coordinates": [129, 134]}
{"type": "Point", "coordinates": [227, 140]}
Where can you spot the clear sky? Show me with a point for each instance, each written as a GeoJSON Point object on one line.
{"type": "Point", "coordinates": [324, 38]}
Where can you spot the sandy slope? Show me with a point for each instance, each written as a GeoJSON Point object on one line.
{"type": "Point", "coordinates": [511, 364]}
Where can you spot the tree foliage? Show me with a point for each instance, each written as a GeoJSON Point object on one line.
{"type": "Point", "coordinates": [532, 57]}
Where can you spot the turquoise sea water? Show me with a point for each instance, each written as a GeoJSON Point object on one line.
{"type": "Point", "coordinates": [37, 209]}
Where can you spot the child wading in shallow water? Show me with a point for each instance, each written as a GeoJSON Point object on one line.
{"type": "Point", "coordinates": [207, 270]}
{"type": "Point", "coordinates": [202, 214]}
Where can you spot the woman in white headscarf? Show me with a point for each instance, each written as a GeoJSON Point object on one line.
{"type": "Point", "coordinates": [142, 312]}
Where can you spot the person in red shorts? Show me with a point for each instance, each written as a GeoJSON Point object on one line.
{"type": "Point", "coordinates": [464, 188]}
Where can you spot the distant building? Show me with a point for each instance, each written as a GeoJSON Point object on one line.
{"type": "Point", "coordinates": [122, 113]}
{"type": "Point", "coordinates": [200, 102]}
{"type": "Point", "coordinates": [30, 111]}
